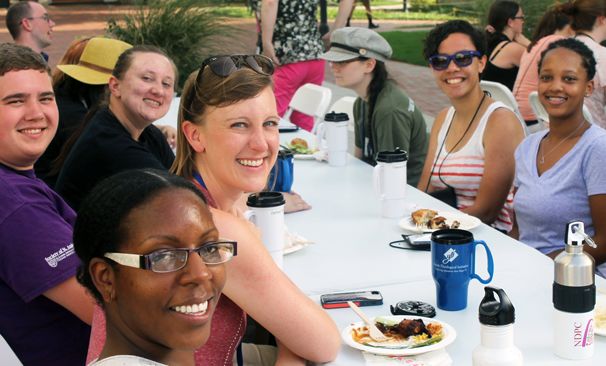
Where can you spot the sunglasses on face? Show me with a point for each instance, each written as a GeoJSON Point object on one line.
{"type": "Point", "coordinates": [461, 59]}
{"type": "Point", "coordinates": [171, 260]}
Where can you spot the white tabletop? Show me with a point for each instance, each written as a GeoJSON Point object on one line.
{"type": "Point", "coordinates": [351, 252]}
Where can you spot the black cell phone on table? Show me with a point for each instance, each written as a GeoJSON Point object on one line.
{"type": "Point", "coordinates": [360, 298]}
{"type": "Point", "coordinates": [413, 242]}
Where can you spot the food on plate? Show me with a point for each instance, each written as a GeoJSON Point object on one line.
{"type": "Point", "coordinates": [438, 222]}
{"type": "Point", "coordinates": [426, 218]}
{"type": "Point", "coordinates": [408, 333]}
{"type": "Point", "coordinates": [423, 216]}
{"type": "Point", "coordinates": [600, 316]}
{"type": "Point", "coordinates": [300, 146]}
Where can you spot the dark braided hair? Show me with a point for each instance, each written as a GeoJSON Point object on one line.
{"type": "Point", "coordinates": [101, 225]}
{"type": "Point", "coordinates": [588, 61]}
{"type": "Point", "coordinates": [379, 78]}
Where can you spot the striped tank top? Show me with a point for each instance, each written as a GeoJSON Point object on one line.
{"type": "Point", "coordinates": [463, 169]}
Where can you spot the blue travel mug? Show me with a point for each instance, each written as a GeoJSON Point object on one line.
{"type": "Point", "coordinates": [453, 266]}
{"type": "Point", "coordinates": [281, 176]}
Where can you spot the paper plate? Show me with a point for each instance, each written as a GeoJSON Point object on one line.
{"type": "Point", "coordinates": [600, 315]}
{"type": "Point", "coordinates": [467, 222]}
{"type": "Point", "coordinates": [449, 336]}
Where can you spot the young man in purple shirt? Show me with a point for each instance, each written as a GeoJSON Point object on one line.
{"type": "Point", "coordinates": [44, 312]}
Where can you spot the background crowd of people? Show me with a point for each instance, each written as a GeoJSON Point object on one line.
{"type": "Point", "coordinates": [108, 221]}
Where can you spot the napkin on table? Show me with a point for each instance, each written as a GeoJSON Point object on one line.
{"type": "Point", "coordinates": [294, 241]}
{"type": "Point", "coordinates": [436, 358]}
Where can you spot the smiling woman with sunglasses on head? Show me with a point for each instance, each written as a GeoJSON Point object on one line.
{"type": "Point", "coordinates": [227, 144]}
{"type": "Point", "coordinates": [472, 143]}
{"type": "Point", "coordinates": [152, 258]}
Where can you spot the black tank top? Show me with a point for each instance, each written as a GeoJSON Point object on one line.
{"type": "Point", "coordinates": [492, 72]}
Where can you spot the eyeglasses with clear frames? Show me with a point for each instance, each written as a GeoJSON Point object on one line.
{"type": "Point", "coordinates": [44, 17]}
{"type": "Point", "coordinates": [171, 260]}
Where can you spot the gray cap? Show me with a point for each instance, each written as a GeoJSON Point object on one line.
{"type": "Point", "coordinates": [352, 42]}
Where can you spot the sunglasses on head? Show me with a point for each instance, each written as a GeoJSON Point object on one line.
{"type": "Point", "coordinates": [226, 65]}
{"type": "Point", "coordinates": [461, 59]}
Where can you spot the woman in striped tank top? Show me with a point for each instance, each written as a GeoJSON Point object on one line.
{"type": "Point", "coordinates": [472, 143]}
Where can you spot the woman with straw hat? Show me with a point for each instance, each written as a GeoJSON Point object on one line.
{"type": "Point", "coordinates": [79, 82]}
{"type": "Point", "coordinates": [120, 135]}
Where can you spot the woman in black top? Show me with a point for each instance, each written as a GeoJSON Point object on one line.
{"type": "Point", "coordinates": [78, 87]}
{"type": "Point", "coordinates": [120, 136]}
{"type": "Point", "coordinates": [506, 42]}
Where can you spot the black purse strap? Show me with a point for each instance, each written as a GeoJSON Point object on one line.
{"type": "Point", "coordinates": [433, 167]}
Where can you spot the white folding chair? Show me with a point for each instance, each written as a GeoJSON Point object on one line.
{"type": "Point", "coordinates": [537, 108]}
{"type": "Point", "coordinates": [7, 356]}
{"type": "Point", "coordinates": [500, 92]}
{"type": "Point", "coordinates": [171, 117]}
{"type": "Point", "coordinates": [541, 113]}
{"type": "Point", "coordinates": [309, 99]}
{"type": "Point", "coordinates": [345, 105]}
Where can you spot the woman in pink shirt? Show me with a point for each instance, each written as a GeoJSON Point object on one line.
{"type": "Point", "coordinates": [554, 25]}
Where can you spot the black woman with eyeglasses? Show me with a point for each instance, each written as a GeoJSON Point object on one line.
{"type": "Point", "coordinates": [30, 25]}
{"type": "Point", "coordinates": [153, 259]}
{"type": "Point", "coordinates": [117, 133]}
{"type": "Point", "coordinates": [470, 160]}
{"type": "Point", "coordinates": [506, 42]}
{"type": "Point", "coordinates": [227, 144]}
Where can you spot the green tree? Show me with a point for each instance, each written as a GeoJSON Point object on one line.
{"type": "Point", "coordinates": [183, 28]}
{"type": "Point", "coordinates": [533, 11]}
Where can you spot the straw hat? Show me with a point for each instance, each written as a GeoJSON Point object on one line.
{"type": "Point", "coordinates": [97, 61]}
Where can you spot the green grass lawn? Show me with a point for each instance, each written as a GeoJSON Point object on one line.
{"type": "Point", "coordinates": [240, 11]}
{"type": "Point", "coordinates": [407, 46]}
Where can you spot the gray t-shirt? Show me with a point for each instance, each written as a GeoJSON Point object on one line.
{"type": "Point", "coordinates": [545, 204]}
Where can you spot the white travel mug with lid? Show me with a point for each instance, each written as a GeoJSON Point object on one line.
{"type": "Point", "coordinates": [334, 131]}
{"type": "Point", "coordinates": [389, 178]}
{"type": "Point", "coordinates": [267, 213]}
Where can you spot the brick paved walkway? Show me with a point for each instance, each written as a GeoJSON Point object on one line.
{"type": "Point", "coordinates": [75, 21]}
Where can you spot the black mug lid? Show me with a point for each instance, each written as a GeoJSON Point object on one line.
{"type": "Point", "coordinates": [495, 311]}
{"type": "Point", "coordinates": [285, 153]}
{"type": "Point", "coordinates": [451, 236]}
{"type": "Point", "coordinates": [336, 117]}
{"type": "Point", "coordinates": [265, 199]}
{"type": "Point", "coordinates": [417, 308]}
{"type": "Point", "coordinates": [394, 156]}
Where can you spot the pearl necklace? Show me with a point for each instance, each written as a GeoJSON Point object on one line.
{"type": "Point", "coordinates": [543, 155]}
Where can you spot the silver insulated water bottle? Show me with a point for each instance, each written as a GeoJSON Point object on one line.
{"type": "Point", "coordinates": [574, 296]}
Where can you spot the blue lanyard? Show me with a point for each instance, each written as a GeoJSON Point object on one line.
{"type": "Point", "coordinates": [199, 179]}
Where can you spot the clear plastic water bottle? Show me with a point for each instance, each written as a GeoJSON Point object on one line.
{"type": "Point", "coordinates": [497, 316]}
{"type": "Point", "coordinates": [574, 296]}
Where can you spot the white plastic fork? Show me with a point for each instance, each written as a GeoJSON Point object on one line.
{"type": "Point", "coordinates": [373, 331]}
